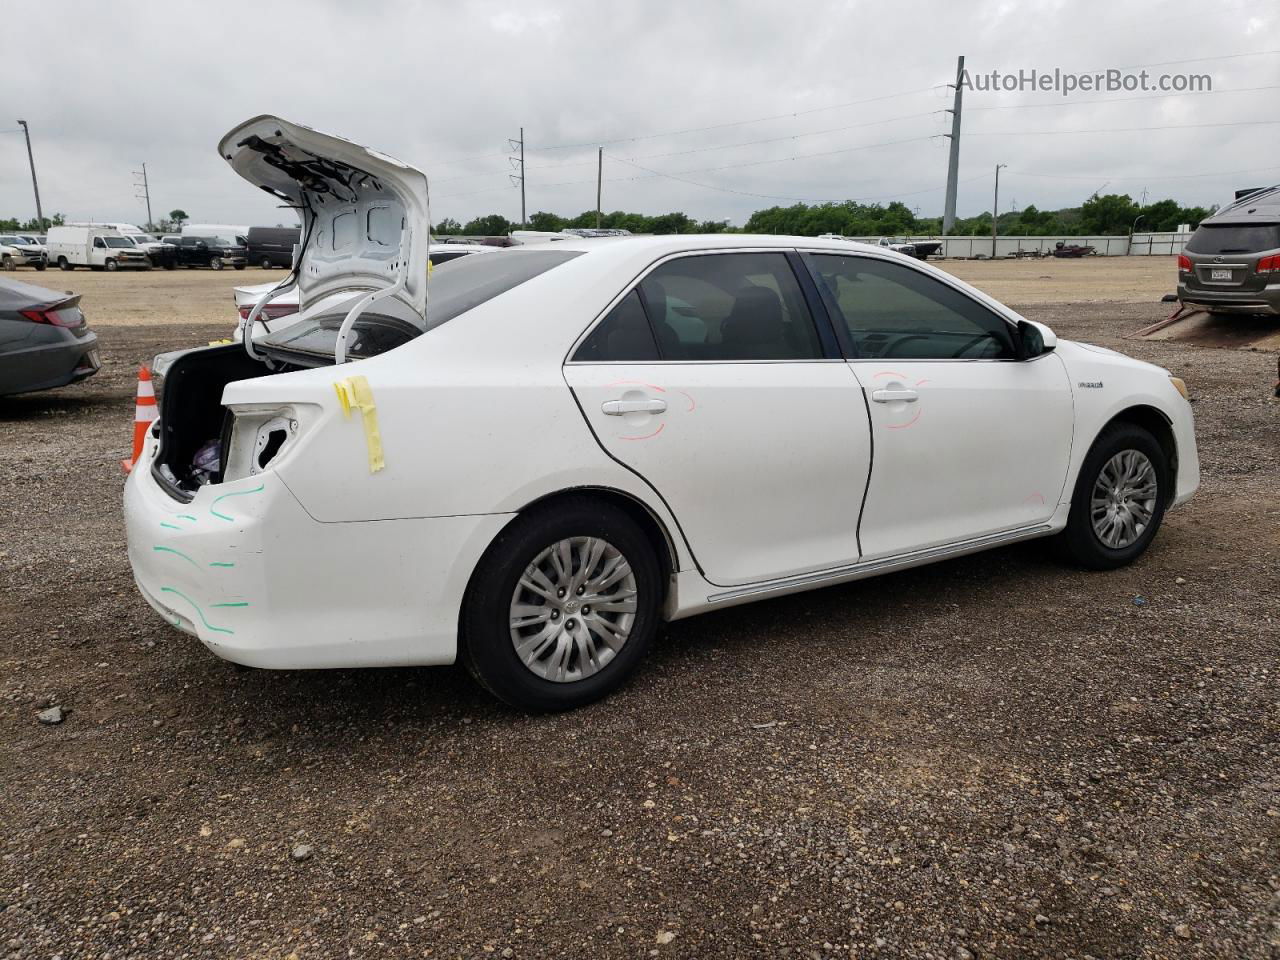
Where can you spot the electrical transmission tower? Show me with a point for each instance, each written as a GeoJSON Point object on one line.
{"type": "Point", "coordinates": [519, 160]}
{"type": "Point", "coordinates": [146, 192]}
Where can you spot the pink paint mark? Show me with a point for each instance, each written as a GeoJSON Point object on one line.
{"type": "Point", "coordinates": [692, 403]}
{"type": "Point", "coordinates": [889, 373]}
{"type": "Point", "coordinates": [652, 386]}
{"type": "Point", "coordinates": [921, 383]}
{"type": "Point", "coordinates": [903, 426]}
{"type": "Point", "coordinates": [1035, 498]}
{"type": "Point", "coordinates": [647, 436]}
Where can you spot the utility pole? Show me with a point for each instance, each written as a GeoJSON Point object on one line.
{"type": "Point", "coordinates": [995, 211]}
{"type": "Point", "coordinates": [34, 185]}
{"type": "Point", "coordinates": [953, 163]}
{"type": "Point", "coordinates": [146, 192]}
{"type": "Point", "coordinates": [513, 145]}
{"type": "Point", "coordinates": [599, 181]}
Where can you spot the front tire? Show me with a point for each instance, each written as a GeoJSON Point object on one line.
{"type": "Point", "coordinates": [111, 266]}
{"type": "Point", "coordinates": [1119, 500]}
{"type": "Point", "coordinates": [562, 606]}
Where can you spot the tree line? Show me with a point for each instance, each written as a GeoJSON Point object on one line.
{"type": "Point", "coordinates": [1112, 214]}
{"type": "Point", "coordinates": [1108, 215]}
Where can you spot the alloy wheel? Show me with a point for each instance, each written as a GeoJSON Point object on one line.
{"type": "Point", "coordinates": [1124, 499]}
{"type": "Point", "coordinates": [573, 609]}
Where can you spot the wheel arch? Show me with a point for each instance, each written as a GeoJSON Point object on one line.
{"type": "Point", "coordinates": [1156, 422]}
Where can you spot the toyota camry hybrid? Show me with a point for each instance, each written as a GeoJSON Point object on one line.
{"type": "Point", "coordinates": [528, 461]}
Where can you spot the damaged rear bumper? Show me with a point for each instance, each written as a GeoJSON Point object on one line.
{"type": "Point", "coordinates": [248, 571]}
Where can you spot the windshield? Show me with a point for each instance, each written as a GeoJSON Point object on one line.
{"type": "Point", "coordinates": [144, 238]}
{"type": "Point", "coordinates": [455, 288]}
{"type": "Point", "coordinates": [117, 242]}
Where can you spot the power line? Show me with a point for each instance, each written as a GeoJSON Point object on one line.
{"type": "Point", "coordinates": [1171, 126]}
{"type": "Point", "coordinates": [1067, 102]}
{"type": "Point", "coordinates": [1147, 178]}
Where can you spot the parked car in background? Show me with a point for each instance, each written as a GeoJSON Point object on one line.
{"type": "Point", "coordinates": [44, 339]}
{"type": "Point", "coordinates": [566, 444]}
{"type": "Point", "coordinates": [1231, 264]}
{"type": "Point", "coordinates": [18, 251]}
{"type": "Point", "coordinates": [272, 247]}
{"type": "Point", "coordinates": [99, 248]}
{"type": "Point", "coordinates": [160, 254]}
{"type": "Point", "coordinates": [125, 229]}
{"type": "Point", "coordinates": [231, 234]}
{"type": "Point", "coordinates": [212, 252]}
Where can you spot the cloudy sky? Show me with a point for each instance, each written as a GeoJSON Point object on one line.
{"type": "Point", "coordinates": [715, 108]}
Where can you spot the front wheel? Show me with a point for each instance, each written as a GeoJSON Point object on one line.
{"type": "Point", "coordinates": [562, 607]}
{"type": "Point", "coordinates": [1119, 500]}
{"type": "Point", "coordinates": [6, 262]}
{"type": "Point", "coordinates": [111, 266]}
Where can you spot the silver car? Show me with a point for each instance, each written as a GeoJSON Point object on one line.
{"type": "Point", "coordinates": [44, 339]}
{"type": "Point", "coordinates": [1231, 264]}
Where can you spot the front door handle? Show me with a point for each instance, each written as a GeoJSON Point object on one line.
{"type": "Point", "coordinates": [888, 396]}
{"type": "Point", "coordinates": [616, 408]}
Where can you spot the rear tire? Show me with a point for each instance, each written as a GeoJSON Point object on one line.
{"type": "Point", "coordinates": [215, 263]}
{"type": "Point", "coordinates": [65, 264]}
{"type": "Point", "coordinates": [266, 264]}
{"type": "Point", "coordinates": [1119, 499]}
{"type": "Point", "coordinates": [569, 654]}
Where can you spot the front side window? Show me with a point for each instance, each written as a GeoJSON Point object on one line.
{"type": "Point", "coordinates": [892, 311]}
{"type": "Point", "coordinates": [730, 306]}
{"type": "Point", "coordinates": [97, 242]}
{"type": "Point", "coordinates": [119, 242]}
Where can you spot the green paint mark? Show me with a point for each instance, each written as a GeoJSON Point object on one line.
{"type": "Point", "coordinates": [221, 563]}
{"type": "Point", "coordinates": [195, 606]}
{"type": "Point", "coordinates": [171, 526]}
{"type": "Point", "coordinates": [177, 553]}
{"type": "Point", "coordinates": [240, 603]}
{"type": "Point", "coordinates": [186, 516]}
{"type": "Point", "coordinates": [238, 493]}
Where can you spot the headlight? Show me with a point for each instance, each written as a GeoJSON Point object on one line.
{"type": "Point", "coordinates": [1180, 386]}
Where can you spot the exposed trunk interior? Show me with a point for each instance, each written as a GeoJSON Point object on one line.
{"type": "Point", "coordinates": [192, 416]}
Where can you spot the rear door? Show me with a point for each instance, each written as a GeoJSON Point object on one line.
{"type": "Point", "coordinates": [713, 381]}
{"type": "Point", "coordinates": [969, 440]}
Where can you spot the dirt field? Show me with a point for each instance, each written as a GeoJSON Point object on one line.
{"type": "Point", "coordinates": [204, 296]}
{"type": "Point", "coordinates": [989, 757]}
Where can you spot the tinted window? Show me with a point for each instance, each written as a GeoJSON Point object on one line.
{"type": "Point", "coordinates": [1227, 238]}
{"type": "Point", "coordinates": [471, 281]}
{"type": "Point", "coordinates": [895, 311]}
{"type": "Point", "coordinates": [730, 306]}
{"type": "Point", "coordinates": [623, 335]}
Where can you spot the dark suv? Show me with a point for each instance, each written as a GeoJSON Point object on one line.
{"type": "Point", "coordinates": [272, 246]}
{"type": "Point", "coordinates": [1231, 264]}
{"type": "Point", "coordinates": [209, 252]}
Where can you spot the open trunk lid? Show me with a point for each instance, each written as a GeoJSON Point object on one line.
{"type": "Point", "coordinates": [365, 219]}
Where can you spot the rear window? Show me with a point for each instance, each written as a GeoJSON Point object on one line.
{"type": "Point", "coordinates": [1234, 238]}
{"type": "Point", "coordinates": [466, 283]}
{"type": "Point", "coordinates": [455, 288]}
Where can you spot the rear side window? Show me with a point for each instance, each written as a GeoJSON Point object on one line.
{"type": "Point", "coordinates": [470, 281]}
{"type": "Point", "coordinates": [730, 306]}
{"type": "Point", "coordinates": [622, 336]}
{"type": "Point", "coordinates": [1234, 238]}
{"type": "Point", "coordinates": [896, 311]}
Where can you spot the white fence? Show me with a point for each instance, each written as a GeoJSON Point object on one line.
{"type": "Point", "coordinates": [1139, 245]}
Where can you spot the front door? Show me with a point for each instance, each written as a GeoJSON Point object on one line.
{"type": "Point", "coordinates": [711, 382]}
{"type": "Point", "coordinates": [969, 440]}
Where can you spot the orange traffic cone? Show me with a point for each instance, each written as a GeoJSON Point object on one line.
{"type": "Point", "coordinates": [144, 414]}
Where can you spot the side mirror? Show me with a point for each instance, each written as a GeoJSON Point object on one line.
{"type": "Point", "coordinates": [1035, 339]}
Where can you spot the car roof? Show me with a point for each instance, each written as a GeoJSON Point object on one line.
{"type": "Point", "coordinates": [1261, 205]}
{"type": "Point", "coordinates": [689, 242]}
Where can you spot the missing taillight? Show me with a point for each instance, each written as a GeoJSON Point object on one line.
{"type": "Point", "coordinates": [269, 446]}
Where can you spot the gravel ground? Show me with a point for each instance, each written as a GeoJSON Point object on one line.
{"type": "Point", "coordinates": [992, 756]}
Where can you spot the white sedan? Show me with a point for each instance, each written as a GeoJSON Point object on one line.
{"type": "Point", "coordinates": [563, 446]}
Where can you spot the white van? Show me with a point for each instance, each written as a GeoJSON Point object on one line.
{"type": "Point", "coordinates": [232, 234]}
{"type": "Point", "coordinates": [125, 229]}
{"type": "Point", "coordinates": [96, 247]}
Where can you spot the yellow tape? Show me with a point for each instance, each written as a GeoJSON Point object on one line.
{"type": "Point", "coordinates": [355, 392]}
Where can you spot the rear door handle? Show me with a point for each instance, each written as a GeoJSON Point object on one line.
{"type": "Point", "coordinates": [616, 408]}
{"type": "Point", "coordinates": [888, 396]}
